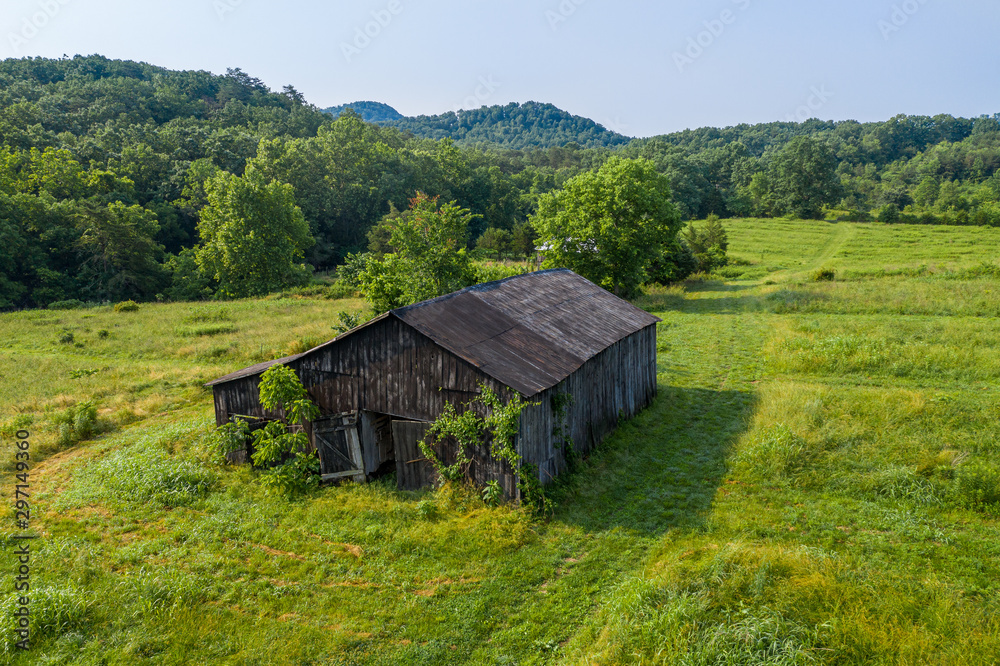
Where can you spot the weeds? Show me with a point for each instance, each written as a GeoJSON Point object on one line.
{"type": "Point", "coordinates": [977, 486]}
{"type": "Point", "coordinates": [78, 423]}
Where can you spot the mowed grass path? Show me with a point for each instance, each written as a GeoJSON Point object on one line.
{"type": "Point", "coordinates": [793, 496]}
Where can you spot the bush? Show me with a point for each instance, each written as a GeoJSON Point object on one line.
{"type": "Point", "coordinates": [492, 272]}
{"type": "Point", "coordinates": [888, 214]}
{"type": "Point", "coordinates": [71, 304]}
{"type": "Point", "coordinates": [229, 438]}
{"type": "Point", "coordinates": [824, 275]}
{"type": "Point", "coordinates": [348, 322]}
{"type": "Point", "coordinates": [78, 423]}
{"type": "Point", "coordinates": [126, 306]}
{"type": "Point", "coordinates": [340, 290]}
{"type": "Point", "coordinates": [66, 338]}
{"type": "Point", "coordinates": [349, 272]}
{"type": "Point", "coordinates": [675, 264]}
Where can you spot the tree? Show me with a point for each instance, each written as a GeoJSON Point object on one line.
{"type": "Point", "coordinates": [427, 258]}
{"type": "Point", "coordinates": [708, 244]}
{"type": "Point", "coordinates": [281, 446]}
{"type": "Point", "coordinates": [120, 255]}
{"type": "Point", "coordinates": [804, 177]}
{"type": "Point", "coordinates": [676, 263]}
{"type": "Point", "coordinates": [888, 214]}
{"type": "Point", "coordinates": [523, 237]}
{"type": "Point", "coordinates": [609, 225]}
{"type": "Point", "coordinates": [495, 241]}
{"type": "Point", "coordinates": [926, 194]}
{"type": "Point", "coordinates": [252, 235]}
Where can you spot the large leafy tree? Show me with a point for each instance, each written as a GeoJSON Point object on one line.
{"type": "Point", "coordinates": [609, 225]}
{"type": "Point", "coordinates": [426, 258]}
{"type": "Point", "coordinates": [121, 258]}
{"type": "Point", "coordinates": [253, 235]}
{"type": "Point", "coordinates": [804, 177]}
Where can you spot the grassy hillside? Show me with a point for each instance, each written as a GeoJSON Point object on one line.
{"type": "Point", "coordinates": [808, 487]}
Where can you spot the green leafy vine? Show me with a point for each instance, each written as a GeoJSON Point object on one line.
{"type": "Point", "coordinates": [498, 429]}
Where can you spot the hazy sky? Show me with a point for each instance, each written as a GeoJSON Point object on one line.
{"type": "Point", "coordinates": [641, 68]}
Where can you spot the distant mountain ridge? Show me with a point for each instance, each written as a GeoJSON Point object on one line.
{"type": "Point", "coordinates": [514, 126]}
{"type": "Point", "coordinates": [370, 112]}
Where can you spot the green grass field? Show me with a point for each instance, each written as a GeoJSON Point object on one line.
{"type": "Point", "coordinates": [818, 482]}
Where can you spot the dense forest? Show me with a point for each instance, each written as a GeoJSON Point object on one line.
{"type": "Point", "coordinates": [110, 171]}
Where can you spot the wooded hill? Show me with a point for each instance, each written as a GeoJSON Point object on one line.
{"type": "Point", "coordinates": [104, 165]}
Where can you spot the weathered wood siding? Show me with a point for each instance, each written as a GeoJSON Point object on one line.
{"type": "Point", "coordinates": [389, 368]}
{"type": "Point", "coordinates": [621, 380]}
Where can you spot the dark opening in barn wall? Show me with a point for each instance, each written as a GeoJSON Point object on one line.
{"type": "Point", "coordinates": [536, 336]}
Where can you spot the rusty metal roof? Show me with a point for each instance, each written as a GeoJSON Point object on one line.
{"type": "Point", "coordinates": [253, 370]}
{"type": "Point", "coordinates": [529, 331]}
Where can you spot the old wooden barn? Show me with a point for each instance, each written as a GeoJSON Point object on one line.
{"type": "Point", "coordinates": [541, 336]}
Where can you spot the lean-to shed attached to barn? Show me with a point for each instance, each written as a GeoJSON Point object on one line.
{"type": "Point", "coordinates": [540, 335]}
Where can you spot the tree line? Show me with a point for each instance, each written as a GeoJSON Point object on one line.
{"type": "Point", "coordinates": [122, 180]}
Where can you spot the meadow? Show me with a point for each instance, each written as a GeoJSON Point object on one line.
{"type": "Point", "coordinates": [817, 482]}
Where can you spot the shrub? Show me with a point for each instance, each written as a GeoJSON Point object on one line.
{"type": "Point", "coordinates": [824, 275]}
{"type": "Point", "coordinates": [676, 263]}
{"type": "Point", "coordinates": [102, 334]}
{"type": "Point", "coordinates": [78, 423]}
{"type": "Point", "coordinates": [279, 447]}
{"type": "Point", "coordinates": [341, 290]}
{"type": "Point", "coordinates": [492, 272]}
{"type": "Point", "coordinates": [708, 243]}
{"type": "Point", "coordinates": [301, 346]}
{"type": "Point", "coordinates": [126, 306]}
{"type": "Point", "coordinates": [229, 438]}
{"type": "Point", "coordinates": [71, 304]}
{"type": "Point", "coordinates": [66, 338]}
{"type": "Point", "coordinates": [347, 321]}
{"type": "Point", "coordinates": [730, 272]}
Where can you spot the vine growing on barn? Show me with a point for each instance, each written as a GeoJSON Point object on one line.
{"type": "Point", "coordinates": [498, 429]}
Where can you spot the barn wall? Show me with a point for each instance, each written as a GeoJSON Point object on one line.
{"type": "Point", "coordinates": [390, 368]}
{"type": "Point", "coordinates": [619, 380]}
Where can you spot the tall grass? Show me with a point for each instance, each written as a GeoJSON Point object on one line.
{"type": "Point", "coordinates": [817, 482]}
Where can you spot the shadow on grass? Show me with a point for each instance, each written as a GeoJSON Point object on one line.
{"type": "Point", "coordinates": [660, 470]}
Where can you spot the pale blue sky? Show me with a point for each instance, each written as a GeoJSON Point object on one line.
{"type": "Point", "coordinates": [624, 63]}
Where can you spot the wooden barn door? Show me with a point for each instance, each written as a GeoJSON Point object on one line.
{"type": "Point", "coordinates": [413, 471]}
{"type": "Point", "coordinates": [339, 448]}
